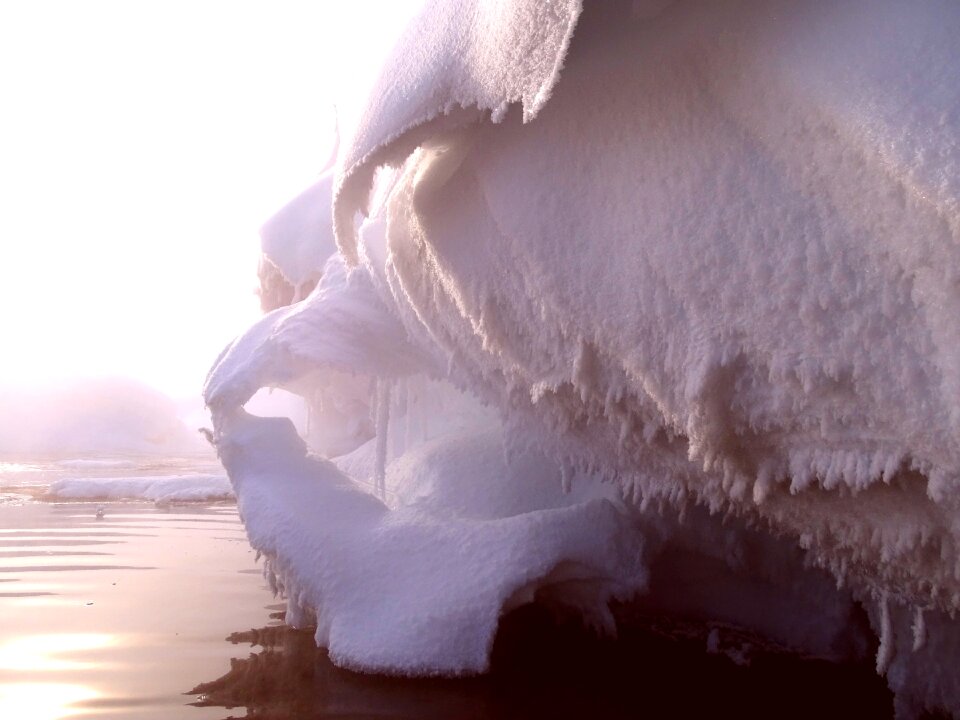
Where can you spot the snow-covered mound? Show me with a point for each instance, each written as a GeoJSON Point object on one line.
{"type": "Point", "coordinates": [410, 591]}
{"type": "Point", "coordinates": [158, 488]}
{"type": "Point", "coordinates": [708, 252]}
{"type": "Point", "coordinates": [93, 417]}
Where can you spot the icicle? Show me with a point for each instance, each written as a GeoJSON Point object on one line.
{"type": "Point", "coordinates": [383, 423]}
{"type": "Point", "coordinates": [626, 428]}
{"type": "Point", "coordinates": [886, 649]}
{"type": "Point", "coordinates": [713, 641]}
{"type": "Point", "coordinates": [401, 418]}
{"type": "Point", "coordinates": [410, 398]}
{"type": "Point", "coordinates": [421, 397]}
{"type": "Point", "coordinates": [761, 488]}
{"type": "Point", "coordinates": [919, 629]}
{"type": "Point", "coordinates": [308, 402]}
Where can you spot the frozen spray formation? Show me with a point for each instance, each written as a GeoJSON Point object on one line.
{"type": "Point", "coordinates": [692, 259]}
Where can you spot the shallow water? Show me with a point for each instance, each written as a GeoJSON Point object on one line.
{"type": "Point", "coordinates": [119, 615]}
{"type": "Point", "coordinates": [543, 668]}
{"type": "Point", "coordinates": [161, 612]}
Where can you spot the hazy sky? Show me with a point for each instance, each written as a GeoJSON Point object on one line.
{"type": "Point", "coordinates": [142, 144]}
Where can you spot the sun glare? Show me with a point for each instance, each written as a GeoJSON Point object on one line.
{"type": "Point", "coordinates": [33, 656]}
{"type": "Point", "coordinates": [141, 147]}
{"type": "Point", "coordinates": [42, 701]}
{"type": "Point", "coordinates": [46, 653]}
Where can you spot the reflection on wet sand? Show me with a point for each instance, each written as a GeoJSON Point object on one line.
{"type": "Point", "coordinates": [548, 668]}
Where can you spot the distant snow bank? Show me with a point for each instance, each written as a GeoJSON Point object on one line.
{"type": "Point", "coordinates": [93, 417]}
{"type": "Point", "coordinates": [162, 488]}
{"type": "Point", "coordinates": [708, 252]}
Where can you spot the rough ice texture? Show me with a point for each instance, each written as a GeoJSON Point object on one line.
{"type": "Point", "coordinates": [463, 54]}
{"type": "Point", "coordinates": [720, 267]}
{"type": "Point", "coordinates": [158, 488]}
{"type": "Point", "coordinates": [411, 590]}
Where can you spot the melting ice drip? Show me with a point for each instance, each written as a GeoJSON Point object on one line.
{"type": "Point", "coordinates": [709, 271]}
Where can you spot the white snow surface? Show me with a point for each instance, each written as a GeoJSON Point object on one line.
{"type": "Point", "coordinates": [299, 238]}
{"type": "Point", "coordinates": [409, 590]}
{"type": "Point", "coordinates": [159, 488]}
{"type": "Point", "coordinates": [463, 53]}
{"type": "Point", "coordinates": [715, 262]}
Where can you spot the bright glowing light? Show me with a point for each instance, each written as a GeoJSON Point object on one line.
{"type": "Point", "coordinates": [44, 653]}
{"type": "Point", "coordinates": [32, 656]}
{"type": "Point", "coordinates": [12, 467]}
{"type": "Point", "coordinates": [141, 147]}
{"type": "Point", "coordinates": [42, 701]}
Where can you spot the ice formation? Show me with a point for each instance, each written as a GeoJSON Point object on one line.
{"type": "Point", "coordinates": [189, 487]}
{"type": "Point", "coordinates": [642, 288]}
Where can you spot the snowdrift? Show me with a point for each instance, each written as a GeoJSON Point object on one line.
{"type": "Point", "coordinates": [191, 487]}
{"type": "Point", "coordinates": [690, 260]}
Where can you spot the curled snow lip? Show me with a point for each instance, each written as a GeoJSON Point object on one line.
{"type": "Point", "coordinates": [481, 58]}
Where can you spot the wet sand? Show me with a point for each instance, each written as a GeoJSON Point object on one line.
{"type": "Point", "coordinates": [151, 612]}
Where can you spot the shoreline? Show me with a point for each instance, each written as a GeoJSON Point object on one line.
{"type": "Point", "coordinates": [135, 614]}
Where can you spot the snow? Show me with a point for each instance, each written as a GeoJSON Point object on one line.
{"type": "Point", "coordinates": [299, 238]}
{"type": "Point", "coordinates": [454, 54]}
{"type": "Point", "coordinates": [158, 488]}
{"type": "Point", "coordinates": [704, 255]}
{"type": "Point", "coordinates": [414, 590]}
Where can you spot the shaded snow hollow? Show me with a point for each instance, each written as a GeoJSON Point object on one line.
{"type": "Point", "coordinates": [623, 265]}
